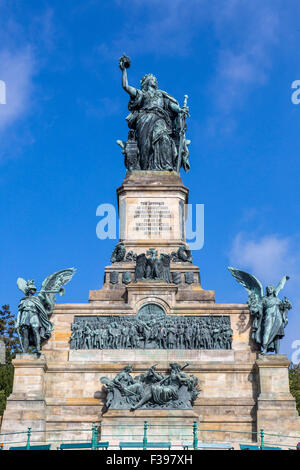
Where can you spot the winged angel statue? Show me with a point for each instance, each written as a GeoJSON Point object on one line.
{"type": "Point", "coordinates": [32, 323]}
{"type": "Point", "coordinates": [269, 312]}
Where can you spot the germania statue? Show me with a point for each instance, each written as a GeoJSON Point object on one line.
{"type": "Point", "coordinates": [32, 323]}
{"type": "Point", "coordinates": [269, 312]}
{"type": "Point", "coordinates": [158, 125]}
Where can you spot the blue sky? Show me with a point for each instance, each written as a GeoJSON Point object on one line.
{"type": "Point", "coordinates": [65, 109]}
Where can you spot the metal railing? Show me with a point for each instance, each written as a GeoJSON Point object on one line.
{"type": "Point", "coordinates": [145, 435]}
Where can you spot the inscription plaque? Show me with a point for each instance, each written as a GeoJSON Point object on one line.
{"type": "Point", "coordinates": [153, 218]}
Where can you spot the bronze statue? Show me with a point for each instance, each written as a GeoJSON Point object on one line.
{"type": "Point", "coordinates": [159, 126]}
{"type": "Point", "coordinates": [32, 323]}
{"type": "Point", "coordinates": [269, 312]}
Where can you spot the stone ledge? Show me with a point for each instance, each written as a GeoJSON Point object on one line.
{"type": "Point", "coordinates": [200, 402]}
{"type": "Point", "coordinates": [151, 413]}
{"type": "Point", "coordinates": [194, 295]}
{"type": "Point", "coordinates": [157, 180]}
{"type": "Point", "coordinates": [30, 361]}
{"type": "Point", "coordinates": [124, 266]}
{"type": "Point", "coordinates": [264, 400]}
{"type": "Point", "coordinates": [96, 309]}
{"type": "Point", "coordinates": [225, 401]}
{"type": "Point", "coordinates": [272, 361]}
{"type": "Point", "coordinates": [163, 243]}
{"type": "Point", "coordinates": [71, 401]}
{"type": "Point", "coordinates": [209, 367]}
{"type": "Point", "coordinates": [27, 397]}
{"type": "Point", "coordinates": [138, 355]}
{"type": "Point", "coordinates": [68, 420]}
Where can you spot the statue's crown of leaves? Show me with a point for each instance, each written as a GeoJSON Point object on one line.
{"type": "Point", "coordinates": [147, 77]}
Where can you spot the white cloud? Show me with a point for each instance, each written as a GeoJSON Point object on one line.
{"type": "Point", "coordinates": [269, 257]}
{"type": "Point", "coordinates": [16, 70]}
{"type": "Point", "coordinates": [22, 53]}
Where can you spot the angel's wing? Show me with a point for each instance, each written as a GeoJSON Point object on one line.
{"type": "Point", "coordinates": [281, 284]}
{"type": "Point", "coordinates": [22, 284]}
{"type": "Point", "coordinates": [165, 259]}
{"type": "Point", "coordinates": [141, 262]}
{"type": "Point", "coordinates": [248, 281]}
{"type": "Point", "coordinates": [58, 279]}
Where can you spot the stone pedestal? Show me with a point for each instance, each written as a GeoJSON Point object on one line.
{"type": "Point", "coordinates": [175, 426]}
{"type": "Point", "coordinates": [276, 407]}
{"type": "Point", "coordinates": [60, 394]}
{"type": "Point", "coordinates": [26, 405]}
{"type": "Point", "coordinates": [152, 211]}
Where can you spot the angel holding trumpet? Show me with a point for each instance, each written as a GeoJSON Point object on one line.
{"type": "Point", "coordinates": [269, 312]}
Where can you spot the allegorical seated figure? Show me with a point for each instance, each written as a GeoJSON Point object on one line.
{"type": "Point", "coordinates": [151, 389]}
{"type": "Point", "coordinates": [155, 118]}
{"type": "Point", "coordinates": [125, 382]}
{"type": "Point", "coordinates": [163, 390]}
{"type": "Point", "coordinates": [122, 389]}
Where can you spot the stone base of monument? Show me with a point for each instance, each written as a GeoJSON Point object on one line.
{"type": "Point", "coordinates": [276, 407]}
{"type": "Point", "coordinates": [175, 426]}
{"type": "Point", "coordinates": [59, 394]}
{"type": "Point", "coordinates": [237, 398]}
{"type": "Point", "coordinates": [26, 406]}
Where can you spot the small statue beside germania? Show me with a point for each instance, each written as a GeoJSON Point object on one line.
{"type": "Point", "coordinates": [268, 311]}
{"type": "Point", "coordinates": [35, 309]}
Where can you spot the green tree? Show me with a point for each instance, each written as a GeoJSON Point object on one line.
{"type": "Point", "coordinates": [294, 379]}
{"type": "Point", "coordinates": [12, 347]}
{"type": "Point", "coordinates": [8, 333]}
{"type": "Point", "coordinates": [6, 384]}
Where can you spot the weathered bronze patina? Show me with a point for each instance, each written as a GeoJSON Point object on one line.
{"type": "Point", "coordinates": [153, 390]}
{"type": "Point", "coordinates": [268, 311]}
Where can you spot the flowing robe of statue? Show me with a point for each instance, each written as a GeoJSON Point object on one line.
{"type": "Point", "coordinates": [161, 394]}
{"type": "Point", "coordinates": [153, 120]}
{"type": "Point", "coordinates": [34, 312]}
{"type": "Point", "coordinates": [273, 330]}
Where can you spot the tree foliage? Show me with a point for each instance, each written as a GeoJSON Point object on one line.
{"type": "Point", "coordinates": [6, 384]}
{"type": "Point", "coordinates": [12, 347]}
{"type": "Point", "coordinates": [294, 379]}
{"type": "Point", "coordinates": [8, 333]}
